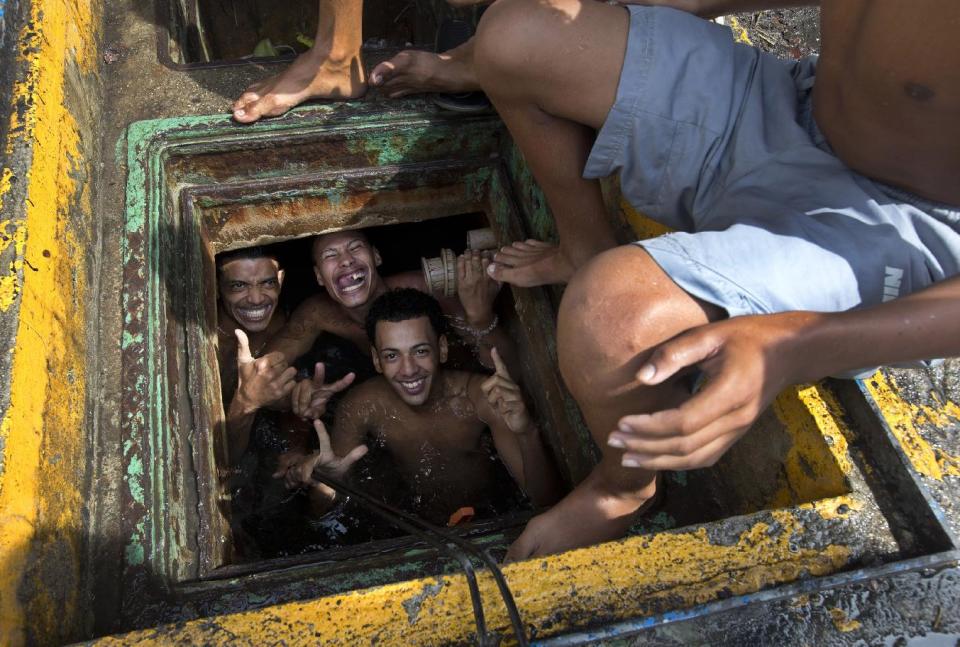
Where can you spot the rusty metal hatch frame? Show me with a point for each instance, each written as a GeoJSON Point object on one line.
{"type": "Point", "coordinates": [199, 185]}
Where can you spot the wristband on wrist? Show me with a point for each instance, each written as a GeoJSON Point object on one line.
{"type": "Point", "coordinates": [460, 325]}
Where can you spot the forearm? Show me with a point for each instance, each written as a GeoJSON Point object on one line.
{"type": "Point", "coordinates": [540, 478]}
{"type": "Point", "coordinates": [918, 326]}
{"type": "Point", "coordinates": [289, 346]}
{"type": "Point", "coordinates": [240, 416]}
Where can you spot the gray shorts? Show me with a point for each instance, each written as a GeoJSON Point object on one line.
{"type": "Point", "coordinates": [717, 141]}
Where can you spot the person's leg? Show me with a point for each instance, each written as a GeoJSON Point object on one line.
{"type": "Point", "coordinates": [619, 306]}
{"type": "Point", "coordinates": [552, 70]}
{"type": "Point", "coordinates": [331, 69]}
{"type": "Point", "coordinates": [413, 71]}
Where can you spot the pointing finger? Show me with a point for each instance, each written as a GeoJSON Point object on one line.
{"type": "Point", "coordinates": [342, 383]}
{"type": "Point", "coordinates": [319, 373]}
{"type": "Point", "coordinates": [322, 437]}
{"type": "Point", "coordinates": [498, 363]}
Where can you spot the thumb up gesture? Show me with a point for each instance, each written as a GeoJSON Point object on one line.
{"type": "Point", "coordinates": [261, 380]}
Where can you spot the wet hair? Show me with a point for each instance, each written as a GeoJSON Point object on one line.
{"type": "Point", "coordinates": [252, 253]}
{"type": "Point", "coordinates": [404, 304]}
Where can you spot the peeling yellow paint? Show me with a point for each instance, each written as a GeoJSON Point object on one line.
{"type": "Point", "coordinates": [631, 578]}
{"type": "Point", "coordinates": [42, 429]}
{"type": "Point", "coordinates": [842, 622]}
{"type": "Point", "coordinates": [818, 462]}
{"type": "Point", "coordinates": [739, 31]}
{"type": "Point", "coordinates": [644, 226]}
{"type": "Point", "coordinates": [905, 420]}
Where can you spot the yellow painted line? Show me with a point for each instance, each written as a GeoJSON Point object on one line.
{"type": "Point", "coordinates": [817, 463]}
{"type": "Point", "coordinates": [644, 226]}
{"type": "Point", "coordinates": [42, 429]}
{"type": "Point", "coordinates": [618, 580]}
{"type": "Point", "coordinates": [905, 420]}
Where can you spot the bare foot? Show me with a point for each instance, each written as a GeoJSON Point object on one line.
{"type": "Point", "coordinates": [584, 517]}
{"type": "Point", "coordinates": [530, 263]}
{"type": "Point", "coordinates": [314, 75]}
{"type": "Point", "coordinates": [413, 71]}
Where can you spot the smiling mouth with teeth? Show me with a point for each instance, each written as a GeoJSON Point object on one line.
{"type": "Point", "coordinates": [254, 314]}
{"type": "Point", "coordinates": [351, 282]}
{"type": "Point", "coordinates": [413, 386]}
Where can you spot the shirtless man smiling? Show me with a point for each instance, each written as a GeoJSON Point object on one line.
{"type": "Point", "coordinates": [430, 419]}
{"type": "Point", "coordinates": [815, 204]}
{"type": "Point", "coordinates": [345, 264]}
{"type": "Point", "coordinates": [249, 282]}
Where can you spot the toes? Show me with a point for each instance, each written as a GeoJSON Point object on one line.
{"type": "Point", "coordinates": [504, 274]}
{"type": "Point", "coordinates": [512, 256]}
{"type": "Point", "coordinates": [539, 244]}
{"type": "Point", "coordinates": [248, 114]}
{"type": "Point", "coordinates": [382, 73]}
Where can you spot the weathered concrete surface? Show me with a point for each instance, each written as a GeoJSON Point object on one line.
{"type": "Point", "coordinates": [48, 248]}
{"type": "Point", "coordinates": [65, 347]}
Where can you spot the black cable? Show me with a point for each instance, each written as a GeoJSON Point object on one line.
{"type": "Point", "coordinates": [430, 533]}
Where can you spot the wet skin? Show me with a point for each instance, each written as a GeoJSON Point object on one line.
{"type": "Point", "coordinates": [432, 423]}
{"type": "Point", "coordinates": [345, 265]}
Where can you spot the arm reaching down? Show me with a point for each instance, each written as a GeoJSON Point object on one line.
{"type": "Point", "coordinates": [298, 334]}
{"type": "Point", "coordinates": [473, 315]}
{"type": "Point", "coordinates": [516, 438]}
{"type": "Point", "coordinates": [748, 360]}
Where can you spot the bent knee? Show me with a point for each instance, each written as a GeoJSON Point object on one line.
{"type": "Point", "coordinates": [618, 307]}
{"type": "Point", "coordinates": [506, 39]}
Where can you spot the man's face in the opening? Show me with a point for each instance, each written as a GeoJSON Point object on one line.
{"type": "Point", "coordinates": [408, 354]}
{"type": "Point", "coordinates": [249, 291]}
{"type": "Point", "coordinates": [346, 265]}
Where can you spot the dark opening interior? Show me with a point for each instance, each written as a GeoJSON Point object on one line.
{"type": "Point", "coordinates": [208, 31]}
{"type": "Point", "coordinates": [269, 521]}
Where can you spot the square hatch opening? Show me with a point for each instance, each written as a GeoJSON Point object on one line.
{"type": "Point", "coordinates": [201, 186]}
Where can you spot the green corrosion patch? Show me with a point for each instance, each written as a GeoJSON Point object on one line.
{"type": "Point", "coordinates": [134, 474]}
{"type": "Point", "coordinates": [130, 339]}
{"type": "Point", "coordinates": [134, 551]}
